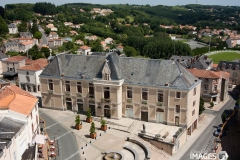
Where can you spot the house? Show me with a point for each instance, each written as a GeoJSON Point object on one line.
{"type": "Point", "coordinates": [233, 41]}
{"type": "Point", "coordinates": [2, 57]}
{"type": "Point", "coordinates": [17, 22]}
{"type": "Point", "coordinates": [84, 50]}
{"type": "Point", "coordinates": [199, 62]}
{"type": "Point", "coordinates": [103, 44]}
{"type": "Point", "coordinates": [80, 42]}
{"type": "Point", "coordinates": [28, 76]}
{"type": "Point", "coordinates": [25, 34]}
{"type": "Point", "coordinates": [73, 33]}
{"type": "Point", "coordinates": [68, 23]}
{"type": "Point", "coordinates": [19, 121]}
{"type": "Point", "coordinates": [233, 69]}
{"type": "Point", "coordinates": [53, 35]}
{"type": "Point", "coordinates": [18, 44]}
{"type": "Point", "coordinates": [120, 48]}
{"type": "Point", "coordinates": [108, 40]}
{"type": "Point", "coordinates": [91, 38]}
{"type": "Point", "coordinates": [214, 87]}
{"type": "Point", "coordinates": [75, 26]}
{"type": "Point", "coordinates": [53, 43]}
{"type": "Point", "coordinates": [51, 26]}
{"type": "Point", "coordinates": [13, 29]}
{"type": "Point", "coordinates": [11, 65]}
{"type": "Point", "coordinates": [115, 86]}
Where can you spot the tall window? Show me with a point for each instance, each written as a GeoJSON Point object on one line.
{"type": "Point", "coordinates": [91, 90]}
{"type": "Point", "coordinates": [160, 95]}
{"type": "Point", "coordinates": [27, 76]}
{"type": "Point", "coordinates": [193, 112]}
{"type": "Point", "coordinates": [23, 87]}
{"type": "Point", "coordinates": [32, 128]}
{"type": "Point", "coordinates": [177, 109]}
{"type": "Point", "coordinates": [194, 102]}
{"type": "Point", "coordinates": [205, 87]}
{"type": "Point", "coordinates": [50, 84]}
{"type": "Point", "coordinates": [215, 87]}
{"type": "Point", "coordinates": [178, 94]}
{"type": "Point", "coordinates": [129, 92]}
{"type": "Point", "coordinates": [69, 103]}
{"type": "Point", "coordinates": [79, 87]}
{"type": "Point", "coordinates": [106, 92]}
{"type": "Point", "coordinates": [144, 94]}
{"type": "Point", "coordinates": [195, 91]}
{"type": "Point", "coordinates": [34, 89]}
{"type": "Point", "coordinates": [80, 105]}
{"type": "Point", "coordinates": [67, 86]}
{"type": "Point", "coordinates": [106, 76]}
{"type": "Point", "coordinates": [37, 119]}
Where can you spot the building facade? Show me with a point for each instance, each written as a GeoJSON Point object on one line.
{"type": "Point", "coordinates": [233, 69]}
{"type": "Point", "coordinates": [116, 87]}
{"type": "Point", "coordinates": [214, 87]}
{"type": "Point", "coordinates": [19, 121]}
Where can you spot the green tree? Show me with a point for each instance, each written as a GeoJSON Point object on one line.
{"type": "Point", "coordinates": [22, 27]}
{"type": "Point", "coordinates": [201, 106]}
{"type": "Point", "coordinates": [47, 30]}
{"type": "Point", "coordinates": [129, 51]}
{"type": "Point", "coordinates": [45, 51]}
{"type": "Point", "coordinates": [34, 28]}
{"type": "Point", "coordinates": [69, 45]}
{"type": "Point", "coordinates": [35, 53]}
{"type": "Point", "coordinates": [92, 128]}
{"type": "Point", "coordinates": [211, 104]}
{"type": "Point", "coordinates": [3, 26]}
{"type": "Point", "coordinates": [37, 35]}
{"type": "Point", "coordinates": [224, 117]}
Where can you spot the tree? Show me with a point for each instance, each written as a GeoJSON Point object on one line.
{"type": "Point", "coordinates": [22, 27]}
{"type": "Point", "coordinates": [2, 11]}
{"type": "Point", "coordinates": [47, 30]}
{"type": "Point", "coordinates": [201, 106]}
{"type": "Point", "coordinates": [129, 51]}
{"type": "Point", "coordinates": [69, 45]}
{"type": "Point", "coordinates": [45, 51]}
{"type": "Point", "coordinates": [34, 28]}
{"type": "Point", "coordinates": [37, 35]}
{"type": "Point", "coordinates": [224, 117]}
{"type": "Point", "coordinates": [211, 104]}
{"type": "Point", "coordinates": [3, 27]}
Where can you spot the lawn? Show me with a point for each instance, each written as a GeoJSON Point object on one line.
{"type": "Point", "coordinates": [183, 40]}
{"type": "Point", "coordinates": [227, 56]}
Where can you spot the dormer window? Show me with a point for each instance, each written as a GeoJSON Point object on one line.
{"type": "Point", "coordinates": [106, 72]}
{"type": "Point", "coordinates": [224, 65]}
{"type": "Point", "coordinates": [230, 66]}
{"type": "Point", "coordinates": [237, 67]}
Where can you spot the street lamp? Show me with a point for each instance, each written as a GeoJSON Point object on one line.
{"type": "Point", "coordinates": [209, 43]}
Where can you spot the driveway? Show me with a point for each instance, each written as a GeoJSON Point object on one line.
{"type": "Point", "coordinates": [205, 140]}
{"type": "Point", "coordinates": [44, 40]}
{"type": "Point", "coordinates": [66, 142]}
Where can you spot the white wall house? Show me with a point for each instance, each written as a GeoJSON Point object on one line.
{"type": "Point", "coordinates": [12, 28]}
{"type": "Point", "coordinates": [84, 50]}
{"type": "Point", "coordinates": [29, 77]}
{"type": "Point", "coordinates": [21, 117]}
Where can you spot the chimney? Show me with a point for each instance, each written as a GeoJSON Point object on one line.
{"type": "Point", "coordinates": [83, 76]}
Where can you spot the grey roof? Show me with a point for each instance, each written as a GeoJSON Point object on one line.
{"type": "Point", "coordinates": [137, 71]}
{"type": "Point", "coordinates": [2, 55]}
{"type": "Point", "coordinates": [12, 25]}
{"type": "Point", "coordinates": [227, 63]}
{"type": "Point", "coordinates": [100, 53]}
{"type": "Point", "coordinates": [9, 125]}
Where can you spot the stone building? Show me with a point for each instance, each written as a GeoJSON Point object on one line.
{"type": "Point", "coordinates": [160, 91]}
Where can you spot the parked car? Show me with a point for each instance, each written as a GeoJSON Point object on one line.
{"type": "Point", "coordinates": [217, 132]}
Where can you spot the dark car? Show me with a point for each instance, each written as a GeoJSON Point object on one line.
{"type": "Point", "coordinates": [217, 132]}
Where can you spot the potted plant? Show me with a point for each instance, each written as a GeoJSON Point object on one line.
{"type": "Point", "coordinates": [103, 124]}
{"type": "Point", "coordinates": [78, 122]}
{"type": "Point", "coordinates": [89, 115]}
{"type": "Point", "coordinates": [92, 131]}
{"type": "Point", "coordinates": [211, 104]}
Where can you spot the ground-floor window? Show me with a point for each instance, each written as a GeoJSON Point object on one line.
{"type": "Point", "coordinates": [23, 87]}
{"type": "Point", "coordinates": [69, 103]}
{"type": "Point", "coordinates": [80, 105]}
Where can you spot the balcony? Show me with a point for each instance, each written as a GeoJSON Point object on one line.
{"type": "Point", "coordinates": [144, 102]}
{"type": "Point", "coordinates": [67, 93]}
{"type": "Point", "coordinates": [160, 103]}
{"type": "Point", "coordinates": [79, 94]}
{"type": "Point", "coordinates": [105, 100]}
{"type": "Point", "coordinates": [215, 92]}
{"type": "Point", "coordinates": [129, 100]}
{"type": "Point", "coordinates": [50, 91]}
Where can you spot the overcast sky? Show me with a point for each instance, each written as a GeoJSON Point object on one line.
{"type": "Point", "coordinates": [153, 2]}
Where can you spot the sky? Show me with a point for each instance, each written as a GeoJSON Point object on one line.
{"type": "Point", "coordinates": [140, 2]}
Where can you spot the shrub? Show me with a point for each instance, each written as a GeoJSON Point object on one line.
{"type": "Point", "coordinates": [77, 119]}
{"type": "Point", "coordinates": [92, 128]}
{"type": "Point", "coordinates": [211, 104]}
{"type": "Point", "coordinates": [89, 114]}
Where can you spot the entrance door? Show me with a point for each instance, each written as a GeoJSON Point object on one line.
{"type": "Point", "coordinates": [160, 117]}
{"type": "Point", "coordinates": [144, 116]}
{"type": "Point", "coordinates": [69, 105]}
{"type": "Point", "coordinates": [176, 121]}
{"type": "Point", "coordinates": [107, 111]}
{"type": "Point", "coordinates": [92, 107]}
{"type": "Point", "coordinates": [214, 99]}
{"type": "Point", "coordinates": [129, 111]}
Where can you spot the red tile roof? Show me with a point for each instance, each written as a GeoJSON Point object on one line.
{"type": "Point", "coordinates": [215, 65]}
{"type": "Point", "coordinates": [17, 100]}
{"type": "Point", "coordinates": [36, 65]}
{"type": "Point", "coordinates": [84, 47]}
{"type": "Point", "coordinates": [16, 59]}
{"type": "Point", "coordinates": [203, 73]}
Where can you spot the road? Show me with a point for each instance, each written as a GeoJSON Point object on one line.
{"type": "Point", "coordinates": [205, 140]}
{"type": "Point", "coordinates": [67, 144]}
{"type": "Point", "coordinates": [43, 40]}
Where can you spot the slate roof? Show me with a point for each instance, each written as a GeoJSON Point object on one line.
{"type": "Point", "coordinates": [227, 63]}
{"type": "Point", "coordinates": [137, 71]}
{"type": "Point", "coordinates": [2, 55]}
